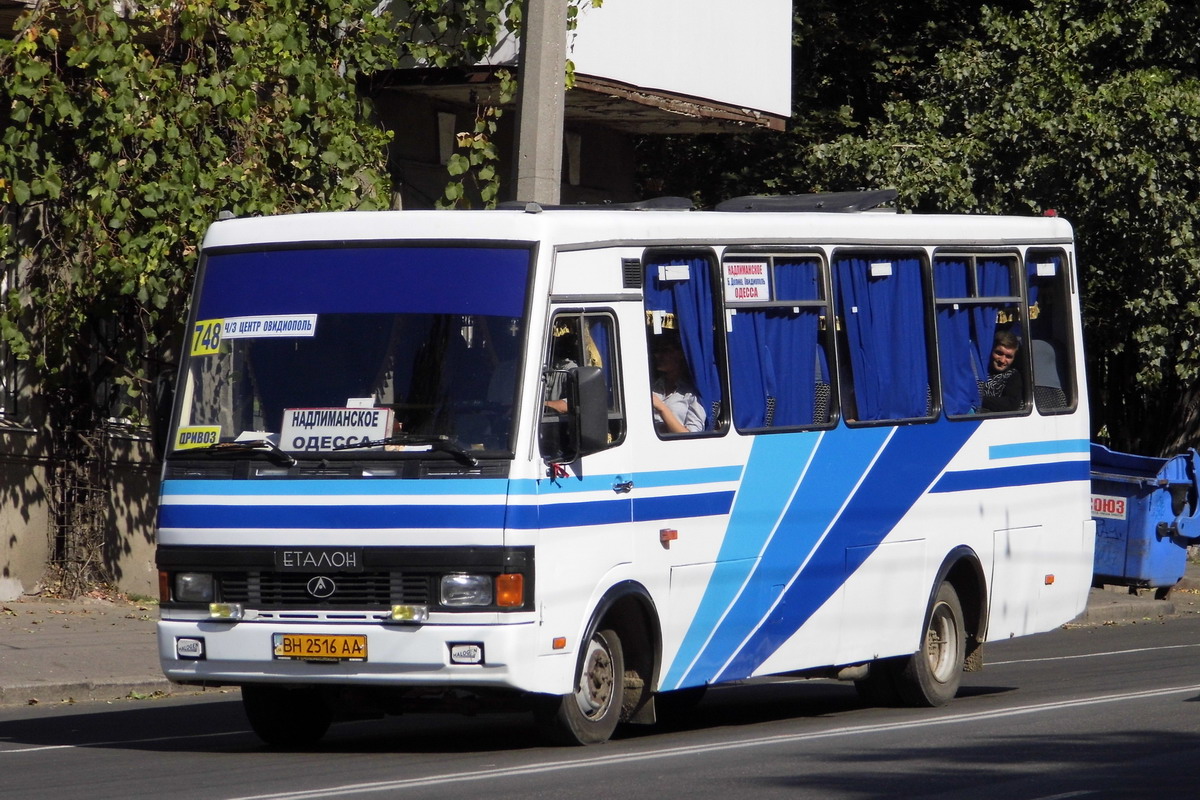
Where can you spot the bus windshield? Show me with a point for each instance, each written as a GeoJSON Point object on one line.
{"type": "Point", "coordinates": [395, 349]}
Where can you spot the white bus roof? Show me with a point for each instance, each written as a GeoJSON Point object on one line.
{"type": "Point", "coordinates": [596, 227]}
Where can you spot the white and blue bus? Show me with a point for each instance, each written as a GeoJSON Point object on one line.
{"type": "Point", "coordinates": [587, 459]}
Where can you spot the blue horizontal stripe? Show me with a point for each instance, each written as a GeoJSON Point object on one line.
{"type": "Point", "coordinates": [449, 486]}
{"type": "Point", "coordinates": [1002, 477]}
{"type": "Point", "coordinates": [617, 510]}
{"type": "Point", "coordinates": [641, 480]}
{"type": "Point", "coordinates": [331, 516]}
{"type": "Point", "coordinates": [688, 477]}
{"type": "Point", "coordinates": [316, 488]}
{"type": "Point", "coordinates": [573, 515]}
{"type": "Point", "coordinates": [1048, 448]}
{"type": "Point", "coordinates": [647, 509]}
{"type": "Point", "coordinates": [341, 516]}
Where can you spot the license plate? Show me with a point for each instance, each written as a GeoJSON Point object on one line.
{"type": "Point", "coordinates": [312, 647]}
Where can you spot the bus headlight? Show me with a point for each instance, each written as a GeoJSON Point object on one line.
{"type": "Point", "coordinates": [466, 590]}
{"type": "Point", "coordinates": [194, 587]}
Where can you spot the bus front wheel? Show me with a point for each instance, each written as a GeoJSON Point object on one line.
{"type": "Point", "coordinates": [931, 676]}
{"type": "Point", "coordinates": [590, 714]}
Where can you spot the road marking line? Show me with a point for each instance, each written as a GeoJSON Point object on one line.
{"type": "Point", "coordinates": [689, 750]}
{"type": "Point", "coordinates": [1092, 655]}
{"type": "Point", "coordinates": [119, 742]}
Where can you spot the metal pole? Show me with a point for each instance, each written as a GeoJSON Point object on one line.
{"type": "Point", "coordinates": [542, 68]}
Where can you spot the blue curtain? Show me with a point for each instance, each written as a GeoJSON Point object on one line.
{"type": "Point", "coordinates": [884, 322]}
{"type": "Point", "coordinates": [1043, 326]}
{"type": "Point", "coordinates": [752, 373]}
{"type": "Point", "coordinates": [773, 353]}
{"type": "Point", "coordinates": [598, 331]}
{"type": "Point", "coordinates": [691, 301]}
{"type": "Point", "coordinates": [995, 280]}
{"type": "Point", "coordinates": [958, 354]}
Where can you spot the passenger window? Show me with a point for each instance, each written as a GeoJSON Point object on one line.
{"type": "Point", "coordinates": [779, 368]}
{"type": "Point", "coordinates": [688, 393]}
{"type": "Point", "coordinates": [580, 339]}
{"type": "Point", "coordinates": [882, 336]}
{"type": "Point", "coordinates": [1051, 350]}
{"type": "Point", "coordinates": [982, 350]}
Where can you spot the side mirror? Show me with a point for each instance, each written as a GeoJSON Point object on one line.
{"type": "Point", "coordinates": [591, 410]}
{"type": "Point", "coordinates": [583, 428]}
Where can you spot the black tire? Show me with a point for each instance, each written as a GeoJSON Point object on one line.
{"type": "Point", "coordinates": [591, 713]}
{"type": "Point", "coordinates": [285, 717]}
{"type": "Point", "coordinates": [931, 676]}
{"type": "Point", "coordinates": [879, 687]}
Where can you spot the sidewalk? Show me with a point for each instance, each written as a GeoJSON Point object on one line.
{"type": "Point", "coordinates": [96, 649]}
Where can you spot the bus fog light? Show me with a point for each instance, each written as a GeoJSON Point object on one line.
{"type": "Point", "coordinates": [408, 613]}
{"type": "Point", "coordinates": [194, 587]}
{"type": "Point", "coordinates": [466, 653]}
{"type": "Point", "coordinates": [190, 648]}
{"type": "Point", "coordinates": [466, 590]}
{"type": "Point", "coordinates": [228, 611]}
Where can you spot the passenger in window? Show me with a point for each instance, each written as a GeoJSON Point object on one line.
{"type": "Point", "coordinates": [1004, 389]}
{"type": "Point", "coordinates": [677, 409]}
{"type": "Point", "coordinates": [566, 348]}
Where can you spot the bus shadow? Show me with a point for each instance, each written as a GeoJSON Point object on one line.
{"type": "Point", "coordinates": [219, 725]}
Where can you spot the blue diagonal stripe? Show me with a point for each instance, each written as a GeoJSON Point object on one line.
{"type": "Point", "coordinates": [904, 470]}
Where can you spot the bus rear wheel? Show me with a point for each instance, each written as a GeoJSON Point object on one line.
{"type": "Point", "coordinates": [285, 717]}
{"type": "Point", "coordinates": [931, 676]}
{"type": "Point", "coordinates": [590, 714]}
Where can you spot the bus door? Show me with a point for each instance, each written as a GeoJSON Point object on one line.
{"type": "Point", "coordinates": [585, 499]}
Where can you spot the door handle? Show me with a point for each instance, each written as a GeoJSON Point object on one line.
{"type": "Point", "coordinates": [622, 486]}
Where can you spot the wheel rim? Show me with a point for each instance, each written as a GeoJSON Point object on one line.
{"type": "Point", "coordinates": [942, 643]}
{"type": "Point", "coordinates": [596, 680]}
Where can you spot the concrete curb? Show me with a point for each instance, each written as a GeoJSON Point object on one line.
{"type": "Point", "coordinates": [85, 692]}
{"type": "Point", "coordinates": [1114, 604]}
{"type": "Point", "coordinates": [1110, 613]}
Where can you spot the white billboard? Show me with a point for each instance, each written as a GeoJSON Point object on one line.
{"type": "Point", "coordinates": [736, 54]}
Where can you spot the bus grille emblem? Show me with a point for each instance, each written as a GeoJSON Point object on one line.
{"type": "Point", "coordinates": [321, 587]}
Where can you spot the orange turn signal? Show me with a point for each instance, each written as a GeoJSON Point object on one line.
{"type": "Point", "coordinates": [510, 590]}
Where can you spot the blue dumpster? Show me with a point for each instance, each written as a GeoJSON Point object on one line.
{"type": "Point", "coordinates": [1138, 503]}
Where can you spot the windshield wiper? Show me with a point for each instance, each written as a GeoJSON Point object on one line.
{"type": "Point", "coordinates": [437, 442]}
{"type": "Point", "coordinates": [277, 453]}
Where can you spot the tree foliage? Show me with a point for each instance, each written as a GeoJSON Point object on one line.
{"type": "Point", "coordinates": [125, 129]}
{"type": "Point", "coordinates": [1088, 107]}
{"type": "Point", "coordinates": [128, 128]}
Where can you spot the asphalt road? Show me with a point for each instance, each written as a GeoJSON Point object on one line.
{"type": "Point", "coordinates": [1098, 712]}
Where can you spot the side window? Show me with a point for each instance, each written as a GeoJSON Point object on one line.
{"type": "Point", "coordinates": [1051, 351]}
{"type": "Point", "coordinates": [982, 350]}
{"type": "Point", "coordinates": [776, 311]}
{"type": "Point", "coordinates": [882, 336]}
{"type": "Point", "coordinates": [582, 339]}
{"type": "Point", "coordinates": [687, 391]}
